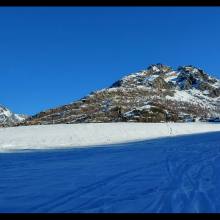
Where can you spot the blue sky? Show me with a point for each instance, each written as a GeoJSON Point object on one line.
{"type": "Point", "coordinates": [51, 56]}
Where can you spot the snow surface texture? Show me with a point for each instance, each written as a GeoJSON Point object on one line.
{"type": "Point", "coordinates": [178, 174]}
{"type": "Point", "coordinates": [92, 134]}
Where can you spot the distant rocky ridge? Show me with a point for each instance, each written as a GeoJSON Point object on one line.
{"type": "Point", "coordinates": [8, 118]}
{"type": "Point", "coordinates": [156, 94]}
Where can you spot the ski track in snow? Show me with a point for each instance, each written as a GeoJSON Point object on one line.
{"type": "Point", "coordinates": [178, 174]}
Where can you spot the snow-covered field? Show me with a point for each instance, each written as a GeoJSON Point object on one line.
{"type": "Point", "coordinates": [92, 134]}
{"type": "Point", "coordinates": [166, 174]}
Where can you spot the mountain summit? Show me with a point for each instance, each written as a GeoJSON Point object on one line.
{"type": "Point", "coordinates": [156, 94]}
{"type": "Point", "coordinates": [8, 118]}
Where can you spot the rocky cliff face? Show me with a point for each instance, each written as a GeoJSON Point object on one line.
{"type": "Point", "coordinates": [156, 94]}
{"type": "Point", "coordinates": [8, 118]}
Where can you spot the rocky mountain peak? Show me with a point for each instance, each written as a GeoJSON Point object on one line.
{"type": "Point", "coordinates": [191, 71]}
{"type": "Point", "coordinates": [8, 118]}
{"type": "Point", "coordinates": [156, 94]}
{"type": "Point", "coordinates": [191, 77]}
{"type": "Point", "coordinates": [158, 68]}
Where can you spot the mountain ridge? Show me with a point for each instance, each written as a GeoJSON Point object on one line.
{"type": "Point", "coordinates": [8, 118]}
{"type": "Point", "coordinates": [156, 94]}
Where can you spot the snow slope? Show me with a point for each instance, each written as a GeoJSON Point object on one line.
{"type": "Point", "coordinates": [83, 135]}
{"type": "Point", "coordinates": [178, 174]}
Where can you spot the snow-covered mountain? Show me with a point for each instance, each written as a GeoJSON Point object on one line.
{"type": "Point", "coordinates": [8, 118]}
{"type": "Point", "coordinates": [156, 94]}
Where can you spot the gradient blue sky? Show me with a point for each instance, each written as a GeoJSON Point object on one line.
{"type": "Point", "coordinates": [51, 56]}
